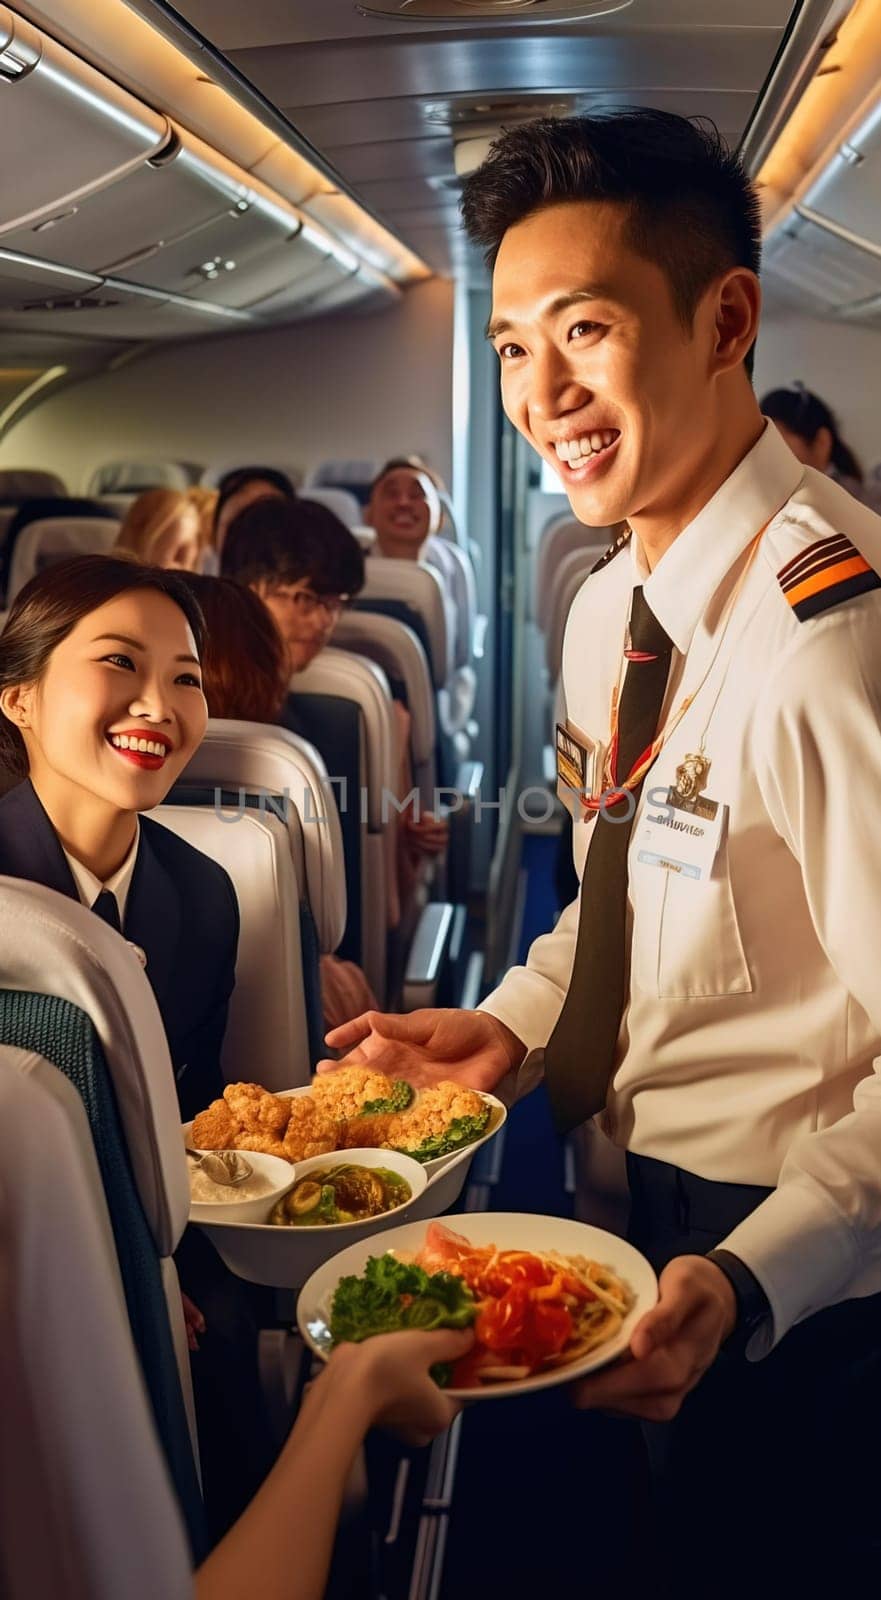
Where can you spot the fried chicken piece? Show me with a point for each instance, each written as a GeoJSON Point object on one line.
{"type": "Point", "coordinates": [310, 1131]}
{"type": "Point", "coordinates": [372, 1133]}
{"type": "Point", "coordinates": [263, 1143]}
{"type": "Point", "coordinates": [214, 1129]}
{"type": "Point", "coordinates": [432, 1113]}
{"type": "Point", "coordinates": [256, 1110]}
{"type": "Point", "coordinates": [342, 1094]}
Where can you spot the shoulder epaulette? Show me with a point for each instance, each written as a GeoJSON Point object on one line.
{"type": "Point", "coordinates": [824, 575]}
{"type": "Point", "coordinates": [617, 544]}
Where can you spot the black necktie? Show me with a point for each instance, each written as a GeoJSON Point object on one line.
{"type": "Point", "coordinates": [107, 908]}
{"type": "Point", "coordinates": [580, 1054]}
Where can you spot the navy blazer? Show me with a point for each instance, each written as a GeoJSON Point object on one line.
{"type": "Point", "coordinates": [181, 910]}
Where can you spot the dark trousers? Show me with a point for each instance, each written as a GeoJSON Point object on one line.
{"type": "Point", "coordinates": [768, 1482]}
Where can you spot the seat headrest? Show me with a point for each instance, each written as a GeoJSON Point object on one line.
{"type": "Point", "coordinates": [133, 477]}
{"type": "Point", "coordinates": [61, 948]}
{"type": "Point", "coordinates": [258, 757]}
{"type": "Point", "coordinates": [353, 677]}
{"type": "Point", "coordinates": [396, 648]}
{"type": "Point", "coordinates": [355, 476]}
{"type": "Point", "coordinates": [341, 502]}
{"type": "Point", "coordinates": [419, 587]}
{"type": "Point", "coordinates": [42, 544]}
{"type": "Point", "coordinates": [266, 1038]}
{"type": "Point", "coordinates": [23, 483]}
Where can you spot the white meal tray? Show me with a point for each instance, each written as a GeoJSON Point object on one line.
{"type": "Point", "coordinates": [283, 1258]}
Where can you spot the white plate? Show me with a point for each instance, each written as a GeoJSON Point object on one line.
{"type": "Point", "coordinates": [510, 1230]}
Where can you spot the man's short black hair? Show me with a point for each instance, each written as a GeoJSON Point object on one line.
{"type": "Point", "coordinates": [238, 477]}
{"type": "Point", "coordinates": [282, 541]}
{"type": "Point", "coordinates": [692, 207]}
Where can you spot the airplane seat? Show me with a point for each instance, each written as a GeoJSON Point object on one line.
{"type": "Point", "coordinates": [211, 476]}
{"type": "Point", "coordinates": [397, 949]}
{"type": "Point", "coordinates": [133, 477]}
{"type": "Point", "coordinates": [42, 509]}
{"type": "Point", "coordinates": [75, 995]}
{"type": "Point", "coordinates": [341, 502]}
{"type": "Point", "coordinates": [87, 1509]}
{"type": "Point", "coordinates": [561, 537]}
{"type": "Point", "coordinates": [43, 544]}
{"type": "Point", "coordinates": [355, 476]}
{"type": "Point", "coordinates": [254, 798]}
{"type": "Point", "coordinates": [397, 650]}
{"type": "Point", "coordinates": [573, 572]}
{"type": "Point", "coordinates": [28, 483]}
{"type": "Point", "coordinates": [268, 1036]}
{"type": "Point", "coordinates": [119, 505]}
{"type": "Point", "coordinates": [338, 675]}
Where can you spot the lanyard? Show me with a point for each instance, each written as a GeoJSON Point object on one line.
{"type": "Point", "coordinates": [613, 790]}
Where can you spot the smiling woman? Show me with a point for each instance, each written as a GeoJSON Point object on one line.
{"type": "Point", "coordinates": [101, 708]}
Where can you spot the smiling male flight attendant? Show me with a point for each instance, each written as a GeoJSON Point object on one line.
{"type": "Point", "coordinates": [713, 994]}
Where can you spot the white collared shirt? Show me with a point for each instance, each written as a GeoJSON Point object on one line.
{"type": "Point", "coordinates": [89, 887]}
{"type": "Point", "coordinates": [750, 1047]}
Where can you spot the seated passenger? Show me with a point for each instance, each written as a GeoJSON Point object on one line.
{"type": "Point", "coordinates": [305, 565]}
{"type": "Point", "coordinates": [810, 430]}
{"type": "Point", "coordinates": [101, 708]}
{"type": "Point", "coordinates": [245, 677]}
{"type": "Point", "coordinates": [163, 528]}
{"type": "Point", "coordinates": [405, 513]}
{"type": "Point", "coordinates": [243, 487]}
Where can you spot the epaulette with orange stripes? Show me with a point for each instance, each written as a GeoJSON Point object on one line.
{"type": "Point", "coordinates": [824, 575]}
{"type": "Point", "coordinates": [609, 555]}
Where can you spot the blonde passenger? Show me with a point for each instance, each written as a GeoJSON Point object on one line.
{"type": "Point", "coordinates": [163, 528]}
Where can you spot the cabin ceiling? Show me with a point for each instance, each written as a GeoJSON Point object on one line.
{"type": "Point", "coordinates": [383, 101]}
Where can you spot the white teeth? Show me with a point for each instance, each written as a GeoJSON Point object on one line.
{"type": "Point", "coordinates": [574, 450]}
{"type": "Point", "coordinates": [147, 747]}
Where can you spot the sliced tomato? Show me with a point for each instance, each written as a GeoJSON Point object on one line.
{"type": "Point", "coordinates": [548, 1329]}
{"type": "Point", "coordinates": [446, 1251]}
{"type": "Point", "coordinates": [500, 1321]}
{"type": "Point", "coordinates": [515, 1266]}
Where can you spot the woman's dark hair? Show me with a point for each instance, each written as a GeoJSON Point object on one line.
{"type": "Point", "coordinates": [48, 608]}
{"type": "Point", "coordinates": [692, 208]}
{"type": "Point", "coordinates": [233, 481]}
{"type": "Point", "coordinates": [282, 541]}
{"type": "Point", "coordinates": [805, 414]}
{"type": "Point", "coordinates": [244, 661]}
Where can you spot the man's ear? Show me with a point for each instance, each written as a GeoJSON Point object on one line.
{"type": "Point", "coordinates": [738, 307]}
{"type": "Point", "coordinates": [15, 703]}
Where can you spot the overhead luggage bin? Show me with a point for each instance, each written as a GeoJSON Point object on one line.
{"type": "Point", "coordinates": [38, 296]}
{"type": "Point", "coordinates": [848, 193]}
{"type": "Point", "coordinates": [183, 188]}
{"type": "Point", "coordinates": [828, 270]}
{"type": "Point", "coordinates": [68, 126]}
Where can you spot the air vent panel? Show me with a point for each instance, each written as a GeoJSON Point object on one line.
{"type": "Point", "coordinates": [465, 11]}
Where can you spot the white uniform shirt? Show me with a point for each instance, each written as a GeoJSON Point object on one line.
{"type": "Point", "coordinates": [750, 1044]}
{"type": "Point", "coordinates": [89, 887]}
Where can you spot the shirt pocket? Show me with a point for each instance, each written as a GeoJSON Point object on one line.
{"type": "Point", "coordinates": [687, 942]}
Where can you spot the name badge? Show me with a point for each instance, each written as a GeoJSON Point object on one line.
{"type": "Point", "coordinates": [682, 836]}
{"type": "Point", "coordinates": [579, 763]}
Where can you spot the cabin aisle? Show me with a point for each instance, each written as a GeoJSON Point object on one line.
{"type": "Point", "coordinates": [547, 1500]}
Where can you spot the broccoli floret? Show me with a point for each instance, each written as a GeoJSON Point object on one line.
{"type": "Point", "coordinates": [461, 1132]}
{"type": "Point", "coordinates": [399, 1097]}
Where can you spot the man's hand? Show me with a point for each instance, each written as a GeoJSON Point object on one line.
{"type": "Point", "coordinates": [671, 1347]}
{"type": "Point", "coordinates": [425, 1047]}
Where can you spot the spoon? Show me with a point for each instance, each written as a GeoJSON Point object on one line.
{"type": "Point", "coordinates": [221, 1166]}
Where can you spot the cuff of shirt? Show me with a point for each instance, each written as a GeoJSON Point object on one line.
{"type": "Point", "coordinates": [803, 1252]}
{"type": "Point", "coordinates": [527, 1004]}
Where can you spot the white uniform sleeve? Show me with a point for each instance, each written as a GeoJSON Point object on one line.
{"type": "Point", "coordinates": [817, 743]}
